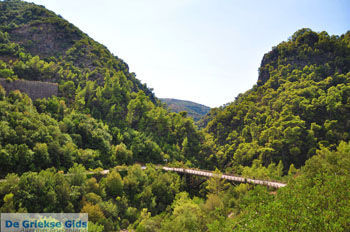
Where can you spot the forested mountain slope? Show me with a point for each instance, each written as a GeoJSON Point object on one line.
{"type": "Point", "coordinates": [102, 116]}
{"type": "Point", "coordinates": [301, 103]}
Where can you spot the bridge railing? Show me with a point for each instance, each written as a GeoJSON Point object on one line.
{"type": "Point", "coordinates": [274, 184]}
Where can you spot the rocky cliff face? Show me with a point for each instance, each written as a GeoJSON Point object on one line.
{"type": "Point", "coordinates": [44, 39]}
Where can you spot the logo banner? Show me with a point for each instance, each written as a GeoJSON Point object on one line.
{"type": "Point", "coordinates": [44, 222]}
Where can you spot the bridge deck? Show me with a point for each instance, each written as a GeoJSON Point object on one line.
{"type": "Point", "coordinates": [226, 176]}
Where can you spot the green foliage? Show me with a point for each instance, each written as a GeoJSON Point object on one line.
{"type": "Point", "coordinates": [77, 175]}
{"type": "Point", "coordinates": [317, 200]}
{"type": "Point", "coordinates": [122, 155]}
{"type": "Point", "coordinates": [95, 227]}
{"type": "Point", "coordinates": [257, 170]}
{"type": "Point", "coordinates": [114, 185]}
{"type": "Point", "coordinates": [32, 140]}
{"type": "Point", "coordinates": [186, 215]}
{"type": "Point", "coordinates": [48, 187]}
{"type": "Point", "coordinates": [2, 93]}
{"type": "Point", "coordinates": [215, 185]}
{"type": "Point", "coordinates": [6, 72]}
{"type": "Point", "coordinates": [112, 203]}
{"type": "Point", "coordinates": [94, 211]}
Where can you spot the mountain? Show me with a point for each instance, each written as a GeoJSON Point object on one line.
{"type": "Point", "coordinates": [300, 104]}
{"type": "Point", "coordinates": [100, 114]}
{"type": "Point", "coordinates": [43, 46]}
{"type": "Point", "coordinates": [194, 110]}
{"type": "Point", "coordinates": [306, 47]}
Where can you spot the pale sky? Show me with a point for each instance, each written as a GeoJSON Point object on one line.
{"type": "Point", "coordinates": [206, 51]}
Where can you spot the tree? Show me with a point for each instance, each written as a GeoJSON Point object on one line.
{"type": "Point", "coordinates": [41, 156]}
{"type": "Point", "coordinates": [95, 227]}
{"type": "Point", "coordinates": [122, 155]}
{"type": "Point", "coordinates": [77, 175]}
{"type": "Point", "coordinates": [137, 109]}
{"type": "Point", "coordinates": [8, 206]}
{"type": "Point", "coordinates": [215, 185]}
{"type": "Point", "coordinates": [94, 211]}
{"type": "Point", "coordinates": [186, 215]}
{"type": "Point", "coordinates": [2, 93]}
{"type": "Point", "coordinates": [114, 184]}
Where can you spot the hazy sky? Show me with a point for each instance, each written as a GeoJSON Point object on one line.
{"type": "Point", "coordinates": [207, 51]}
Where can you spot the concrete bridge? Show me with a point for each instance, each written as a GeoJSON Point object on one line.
{"type": "Point", "coordinates": [209, 174]}
{"type": "Point", "coordinates": [225, 176]}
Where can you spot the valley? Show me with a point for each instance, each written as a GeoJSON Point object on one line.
{"type": "Point", "coordinates": [276, 158]}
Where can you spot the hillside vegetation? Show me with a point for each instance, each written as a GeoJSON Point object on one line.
{"type": "Point", "coordinates": [194, 110]}
{"type": "Point", "coordinates": [294, 110]}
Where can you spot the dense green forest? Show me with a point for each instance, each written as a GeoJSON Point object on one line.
{"type": "Point", "coordinates": [194, 110]}
{"type": "Point", "coordinates": [293, 126]}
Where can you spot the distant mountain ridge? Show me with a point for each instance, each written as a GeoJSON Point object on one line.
{"type": "Point", "coordinates": [194, 110]}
